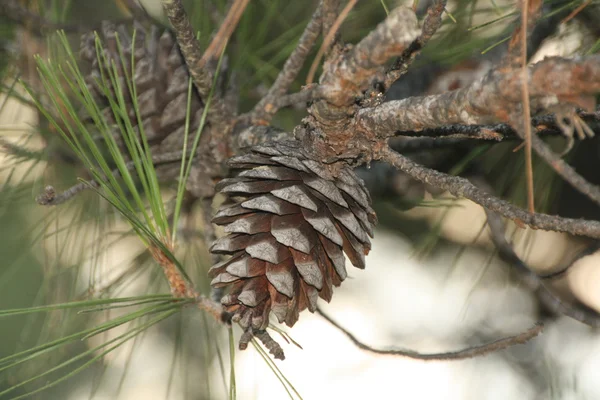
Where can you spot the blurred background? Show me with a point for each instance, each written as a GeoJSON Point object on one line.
{"type": "Point", "coordinates": [433, 281]}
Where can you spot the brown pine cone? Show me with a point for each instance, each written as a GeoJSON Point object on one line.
{"type": "Point", "coordinates": [160, 75]}
{"type": "Point", "coordinates": [288, 228]}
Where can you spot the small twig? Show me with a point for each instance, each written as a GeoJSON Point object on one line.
{"type": "Point", "coordinates": [225, 31]}
{"type": "Point", "coordinates": [545, 125]}
{"type": "Point", "coordinates": [565, 171]}
{"type": "Point", "coordinates": [470, 352]}
{"type": "Point", "coordinates": [190, 48]}
{"type": "Point", "coordinates": [329, 39]}
{"type": "Point", "coordinates": [50, 198]}
{"type": "Point", "coordinates": [213, 308]}
{"type": "Point", "coordinates": [532, 280]}
{"type": "Point", "coordinates": [269, 104]}
{"type": "Point", "coordinates": [461, 187]}
{"type": "Point", "coordinates": [432, 22]}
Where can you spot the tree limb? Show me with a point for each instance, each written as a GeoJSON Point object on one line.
{"type": "Point", "coordinates": [346, 77]}
{"type": "Point", "coordinates": [461, 187]}
{"type": "Point", "coordinates": [470, 352]}
{"type": "Point", "coordinates": [488, 100]}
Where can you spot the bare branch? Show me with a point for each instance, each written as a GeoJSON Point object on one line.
{"type": "Point", "coordinates": [432, 22]}
{"type": "Point", "coordinates": [268, 106]}
{"type": "Point", "coordinates": [301, 98]}
{"type": "Point", "coordinates": [190, 48]}
{"type": "Point", "coordinates": [50, 198]}
{"type": "Point", "coordinates": [346, 77]}
{"type": "Point", "coordinates": [470, 352]}
{"type": "Point", "coordinates": [488, 100]}
{"type": "Point", "coordinates": [545, 125]}
{"type": "Point", "coordinates": [461, 187]}
{"type": "Point", "coordinates": [533, 281]}
{"type": "Point", "coordinates": [567, 172]}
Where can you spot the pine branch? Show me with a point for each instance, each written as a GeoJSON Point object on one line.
{"type": "Point", "coordinates": [346, 77]}
{"type": "Point", "coordinates": [461, 187]}
{"type": "Point", "coordinates": [489, 100]}
{"type": "Point", "coordinates": [470, 352]}
{"type": "Point", "coordinates": [49, 197]}
{"type": "Point", "coordinates": [432, 22]}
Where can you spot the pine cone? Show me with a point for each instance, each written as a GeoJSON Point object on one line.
{"type": "Point", "coordinates": [290, 223]}
{"type": "Point", "coordinates": [160, 75]}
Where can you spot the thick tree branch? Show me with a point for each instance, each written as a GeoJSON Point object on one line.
{"type": "Point", "coordinates": [461, 187]}
{"type": "Point", "coordinates": [488, 100]}
{"type": "Point", "coordinates": [268, 106]}
{"type": "Point", "coordinates": [470, 352]}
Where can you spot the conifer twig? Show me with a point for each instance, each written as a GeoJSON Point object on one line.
{"type": "Point", "coordinates": [432, 22]}
{"type": "Point", "coordinates": [330, 13]}
{"type": "Point", "coordinates": [50, 198]}
{"type": "Point", "coordinates": [526, 24]}
{"type": "Point", "coordinates": [565, 171]}
{"type": "Point", "coordinates": [461, 187]}
{"type": "Point", "coordinates": [470, 352]}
